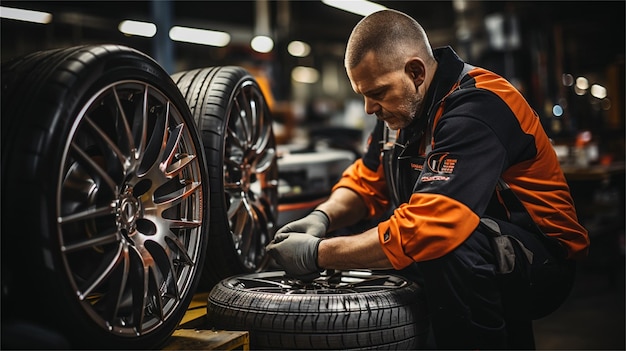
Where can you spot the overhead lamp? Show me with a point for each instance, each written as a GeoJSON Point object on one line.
{"type": "Point", "coordinates": [303, 74]}
{"type": "Point", "coordinates": [598, 91]}
{"type": "Point", "coordinates": [199, 36]}
{"type": "Point", "coordinates": [298, 48]}
{"type": "Point", "coordinates": [262, 43]}
{"type": "Point", "coordinates": [25, 15]}
{"type": "Point", "coordinates": [359, 7]}
{"type": "Point", "coordinates": [581, 86]}
{"type": "Point", "coordinates": [582, 83]}
{"type": "Point", "coordinates": [143, 29]}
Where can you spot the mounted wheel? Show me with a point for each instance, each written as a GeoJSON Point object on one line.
{"type": "Point", "coordinates": [236, 125]}
{"type": "Point", "coordinates": [350, 310]}
{"type": "Point", "coordinates": [103, 198]}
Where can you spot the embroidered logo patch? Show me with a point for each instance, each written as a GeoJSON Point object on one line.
{"type": "Point", "coordinates": [441, 163]}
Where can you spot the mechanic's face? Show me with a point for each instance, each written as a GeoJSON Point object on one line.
{"type": "Point", "coordinates": [391, 95]}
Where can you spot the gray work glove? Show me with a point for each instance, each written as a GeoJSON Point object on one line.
{"type": "Point", "coordinates": [297, 254]}
{"type": "Point", "coordinates": [315, 223]}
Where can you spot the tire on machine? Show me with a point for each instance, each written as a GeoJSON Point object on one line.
{"type": "Point", "coordinates": [344, 310]}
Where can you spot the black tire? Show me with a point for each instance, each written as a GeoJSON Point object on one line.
{"type": "Point", "coordinates": [103, 198]}
{"type": "Point", "coordinates": [342, 311]}
{"type": "Point", "coordinates": [236, 126]}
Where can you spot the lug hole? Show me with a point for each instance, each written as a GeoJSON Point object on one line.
{"type": "Point", "coordinates": [142, 187]}
{"type": "Point", "coordinates": [146, 227]}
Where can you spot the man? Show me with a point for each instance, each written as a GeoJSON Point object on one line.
{"type": "Point", "coordinates": [480, 204]}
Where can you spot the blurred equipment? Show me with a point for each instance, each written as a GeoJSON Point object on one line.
{"type": "Point", "coordinates": [306, 178]}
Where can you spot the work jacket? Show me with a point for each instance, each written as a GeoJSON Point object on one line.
{"type": "Point", "coordinates": [439, 174]}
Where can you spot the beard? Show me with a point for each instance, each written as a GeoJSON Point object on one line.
{"type": "Point", "coordinates": [405, 114]}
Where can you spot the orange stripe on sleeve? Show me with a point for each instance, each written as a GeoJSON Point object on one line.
{"type": "Point", "coordinates": [428, 227]}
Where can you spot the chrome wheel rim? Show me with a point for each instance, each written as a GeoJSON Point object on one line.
{"type": "Point", "coordinates": [130, 208]}
{"type": "Point", "coordinates": [250, 176]}
{"type": "Point", "coordinates": [335, 282]}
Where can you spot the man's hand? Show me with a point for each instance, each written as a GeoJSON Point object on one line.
{"type": "Point", "coordinates": [296, 253]}
{"type": "Point", "coordinates": [315, 223]}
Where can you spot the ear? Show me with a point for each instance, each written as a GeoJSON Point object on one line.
{"type": "Point", "coordinates": [416, 69]}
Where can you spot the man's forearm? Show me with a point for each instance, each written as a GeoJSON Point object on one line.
{"type": "Point", "coordinates": [352, 252]}
{"type": "Point", "coordinates": [344, 207]}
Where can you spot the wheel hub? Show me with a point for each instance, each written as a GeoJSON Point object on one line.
{"type": "Point", "coordinates": [128, 212]}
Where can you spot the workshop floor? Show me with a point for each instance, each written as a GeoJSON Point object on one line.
{"type": "Point", "coordinates": [593, 316]}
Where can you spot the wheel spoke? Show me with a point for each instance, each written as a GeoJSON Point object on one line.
{"type": "Point", "coordinates": [175, 197]}
{"type": "Point", "coordinates": [91, 242]}
{"type": "Point", "coordinates": [265, 160]}
{"type": "Point", "coordinates": [241, 114]}
{"type": "Point", "coordinates": [184, 224]}
{"type": "Point", "coordinates": [107, 141]}
{"type": "Point", "coordinates": [236, 202]}
{"type": "Point", "coordinates": [182, 250]}
{"type": "Point", "coordinates": [93, 166]}
{"type": "Point", "coordinates": [102, 274]}
{"type": "Point", "coordinates": [90, 213]}
{"type": "Point", "coordinates": [242, 220]}
{"type": "Point", "coordinates": [116, 287]}
{"type": "Point", "coordinates": [141, 124]}
{"type": "Point", "coordinates": [235, 140]}
{"type": "Point", "coordinates": [128, 135]}
{"type": "Point", "coordinates": [177, 167]}
{"type": "Point", "coordinates": [140, 275]}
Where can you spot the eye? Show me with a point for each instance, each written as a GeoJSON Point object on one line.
{"type": "Point", "coordinates": [377, 95]}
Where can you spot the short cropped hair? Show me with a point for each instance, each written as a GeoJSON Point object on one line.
{"type": "Point", "coordinates": [391, 35]}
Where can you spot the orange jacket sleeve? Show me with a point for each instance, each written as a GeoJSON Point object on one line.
{"type": "Point", "coordinates": [369, 185]}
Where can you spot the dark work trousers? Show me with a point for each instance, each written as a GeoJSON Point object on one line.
{"type": "Point", "coordinates": [474, 303]}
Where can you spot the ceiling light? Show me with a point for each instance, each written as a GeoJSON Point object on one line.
{"type": "Point", "coordinates": [298, 49]}
{"type": "Point", "coordinates": [303, 74]}
{"type": "Point", "coordinates": [25, 15]}
{"type": "Point", "coordinates": [359, 7]}
{"type": "Point", "coordinates": [582, 83]}
{"type": "Point", "coordinates": [598, 91]}
{"type": "Point", "coordinates": [199, 36]}
{"type": "Point", "coordinates": [262, 43]}
{"type": "Point", "coordinates": [144, 29]}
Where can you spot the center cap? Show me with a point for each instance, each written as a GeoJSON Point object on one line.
{"type": "Point", "coordinates": [128, 211]}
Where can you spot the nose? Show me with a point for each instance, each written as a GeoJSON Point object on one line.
{"type": "Point", "coordinates": [371, 107]}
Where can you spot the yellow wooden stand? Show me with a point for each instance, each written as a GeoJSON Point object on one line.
{"type": "Point", "coordinates": [198, 339]}
{"type": "Point", "coordinates": [194, 334]}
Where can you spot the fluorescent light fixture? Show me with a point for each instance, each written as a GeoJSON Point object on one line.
{"type": "Point", "coordinates": [143, 29]}
{"type": "Point", "coordinates": [298, 48]}
{"type": "Point", "coordinates": [25, 15]}
{"type": "Point", "coordinates": [262, 43]}
{"type": "Point", "coordinates": [359, 7]}
{"type": "Point", "coordinates": [199, 36]}
{"type": "Point", "coordinates": [303, 74]}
